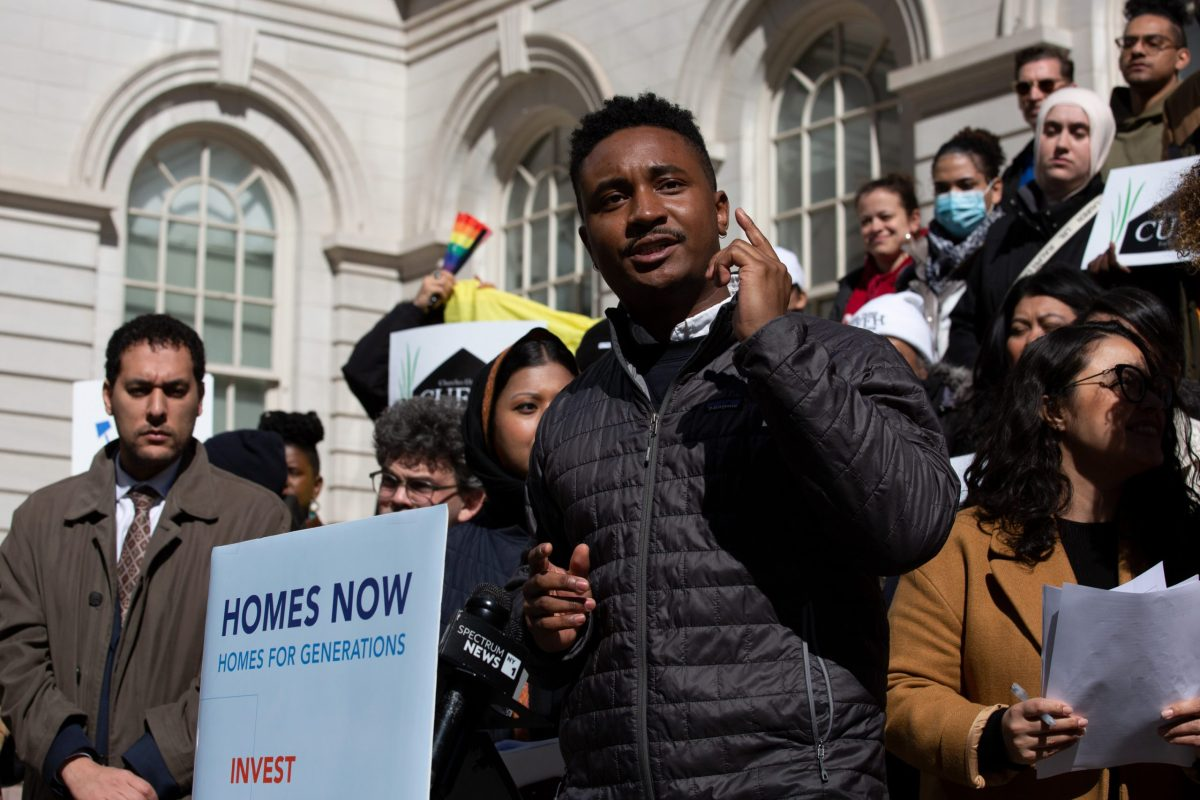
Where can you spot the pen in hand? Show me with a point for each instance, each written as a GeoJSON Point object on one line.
{"type": "Point", "coordinates": [1023, 696]}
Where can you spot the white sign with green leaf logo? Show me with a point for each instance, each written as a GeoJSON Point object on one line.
{"type": "Point", "coordinates": [1130, 217]}
{"type": "Point", "coordinates": [443, 360]}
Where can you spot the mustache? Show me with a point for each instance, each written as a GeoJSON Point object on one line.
{"type": "Point", "coordinates": [675, 233]}
{"type": "Point", "coordinates": [154, 429]}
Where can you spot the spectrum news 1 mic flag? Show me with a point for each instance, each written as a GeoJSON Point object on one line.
{"type": "Point", "coordinates": [320, 662]}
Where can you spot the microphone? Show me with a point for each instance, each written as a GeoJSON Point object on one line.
{"type": "Point", "coordinates": [479, 666]}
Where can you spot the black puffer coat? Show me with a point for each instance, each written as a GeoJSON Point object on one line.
{"type": "Point", "coordinates": [739, 646]}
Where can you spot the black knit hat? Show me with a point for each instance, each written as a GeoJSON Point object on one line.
{"type": "Point", "coordinates": [257, 456]}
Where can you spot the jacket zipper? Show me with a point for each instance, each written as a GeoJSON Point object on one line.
{"type": "Point", "coordinates": [643, 690]}
{"type": "Point", "coordinates": [643, 736]}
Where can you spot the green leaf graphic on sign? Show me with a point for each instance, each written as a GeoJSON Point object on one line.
{"type": "Point", "coordinates": [408, 369]}
{"type": "Point", "coordinates": [1126, 202]}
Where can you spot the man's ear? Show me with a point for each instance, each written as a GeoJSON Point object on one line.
{"type": "Point", "coordinates": [472, 500]}
{"type": "Point", "coordinates": [107, 393]}
{"type": "Point", "coordinates": [1052, 413]}
{"type": "Point", "coordinates": [1183, 57]}
{"type": "Point", "coordinates": [721, 201]}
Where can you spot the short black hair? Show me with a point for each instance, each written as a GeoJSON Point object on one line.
{"type": "Point", "coordinates": [981, 146]}
{"type": "Point", "coordinates": [156, 330]}
{"type": "Point", "coordinates": [898, 184]}
{"type": "Point", "coordinates": [302, 431]}
{"type": "Point", "coordinates": [621, 112]}
{"type": "Point", "coordinates": [1174, 11]}
{"type": "Point", "coordinates": [428, 430]}
{"type": "Point", "coordinates": [1040, 52]}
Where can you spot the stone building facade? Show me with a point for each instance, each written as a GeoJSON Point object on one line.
{"type": "Point", "coordinates": [280, 172]}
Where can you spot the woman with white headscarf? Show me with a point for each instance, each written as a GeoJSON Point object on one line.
{"type": "Point", "coordinates": [1047, 224]}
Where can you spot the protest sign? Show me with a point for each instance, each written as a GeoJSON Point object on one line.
{"type": "Point", "coordinates": [1129, 217]}
{"type": "Point", "coordinates": [443, 360]}
{"type": "Point", "coordinates": [92, 427]}
{"type": "Point", "coordinates": [320, 662]}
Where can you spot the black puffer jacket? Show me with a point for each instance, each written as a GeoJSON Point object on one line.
{"type": "Point", "coordinates": [739, 647]}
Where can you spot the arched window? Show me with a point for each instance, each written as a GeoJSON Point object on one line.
{"type": "Point", "coordinates": [201, 247]}
{"type": "Point", "coordinates": [835, 128]}
{"type": "Point", "coordinates": [543, 257]}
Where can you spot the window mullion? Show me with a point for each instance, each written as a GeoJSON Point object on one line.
{"type": "Point", "coordinates": [239, 274]}
{"type": "Point", "coordinates": [161, 266]}
{"type": "Point", "coordinates": [230, 400]}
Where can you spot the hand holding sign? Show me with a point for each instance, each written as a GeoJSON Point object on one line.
{"type": "Point", "coordinates": [765, 285]}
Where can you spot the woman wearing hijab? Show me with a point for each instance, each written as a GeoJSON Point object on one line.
{"type": "Point", "coordinates": [1048, 220]}
{"type": "Point", "coordinates": [507, 400]}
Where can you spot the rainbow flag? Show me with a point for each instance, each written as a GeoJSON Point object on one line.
{"type": "Point", "coordinates": [468, 234]}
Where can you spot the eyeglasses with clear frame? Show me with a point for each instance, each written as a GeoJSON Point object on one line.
{"type": "Point", "coordinates": [419, 491]}
{"type": "Point", "coordinates": [1154, 43]}
{"type": "Point", "coordinates": [1131, 382]}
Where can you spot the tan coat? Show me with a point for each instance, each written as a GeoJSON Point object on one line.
{"type": "Point", "coordinates": [57, 594]}
{"type": "Point", "coordinates": [965, 626]}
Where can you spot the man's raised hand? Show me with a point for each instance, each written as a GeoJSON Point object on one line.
{"type": "Point", "coordinates": [557, 601]}
{"type": "Point", "coordinates": [764, 283]}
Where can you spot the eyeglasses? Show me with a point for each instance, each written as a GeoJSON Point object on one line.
{"type": "Point", "coordinates": [1133, 384]}
{"type": "Point", "coordinates": [1044, 85]}
{"type": "Point", "coordinates": [1155, 43]}
{"type": "Point", "coordinates": [419, 491]}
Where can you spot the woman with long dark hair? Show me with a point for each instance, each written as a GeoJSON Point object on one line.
{"type": "Point", "coordinates": [1077, 481]}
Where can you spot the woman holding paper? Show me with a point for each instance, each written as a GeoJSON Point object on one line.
{"type": "Point", "coordinates": [1077, 481]}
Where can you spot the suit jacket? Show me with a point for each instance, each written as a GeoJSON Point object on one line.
{"type": "Point", "coordinates": [965, 626]}
{"type": "Point", "coordinates": [58, 591]}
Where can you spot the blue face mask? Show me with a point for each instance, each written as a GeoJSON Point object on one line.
{"type": "Point", "coordinates": [959, 212]}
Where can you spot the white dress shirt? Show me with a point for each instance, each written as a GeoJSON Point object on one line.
{"type": "Point", "coordinates": [698, 324]}
{"type": "Point", "coordinates": [125, 511]}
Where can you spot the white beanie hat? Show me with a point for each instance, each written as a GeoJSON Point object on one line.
{"type": "Point", "coordinates": [792, 263]}
{"type": "Point", "coordinates": [901, 316]}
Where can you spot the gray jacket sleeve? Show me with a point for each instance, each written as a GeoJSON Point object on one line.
{"type": "Point", "coordinates": [858, 432]}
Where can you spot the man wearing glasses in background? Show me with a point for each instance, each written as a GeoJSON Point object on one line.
{"type": "Point", "coordinates": [422, 462]}
{"type": "Point", "coordinates": [1153, 50]}
{"type": "Point", "coordinates": [1040, 72]}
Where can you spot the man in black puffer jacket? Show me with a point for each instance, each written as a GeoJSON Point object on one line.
{"type": "Point", "coordinates": [715, 499]}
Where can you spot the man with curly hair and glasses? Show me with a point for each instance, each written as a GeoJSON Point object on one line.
{"type": "Point", "coordinates": [422, 463]}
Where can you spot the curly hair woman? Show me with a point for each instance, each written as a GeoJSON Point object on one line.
{"type": "Point", "coordinates": [1077, 482]}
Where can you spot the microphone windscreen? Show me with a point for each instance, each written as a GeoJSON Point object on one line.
{"type": "Point", "coordinates": [490, 591]}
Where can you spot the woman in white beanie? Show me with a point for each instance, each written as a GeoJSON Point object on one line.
{"type": "Point", "coordinates": [1075, 133]}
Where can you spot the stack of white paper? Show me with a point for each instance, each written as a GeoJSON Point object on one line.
{"type": "Point", "coordinates": [1118, 658]}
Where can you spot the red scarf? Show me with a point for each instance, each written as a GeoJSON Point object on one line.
{"type": "Point", "coordinates": [871, 284]}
